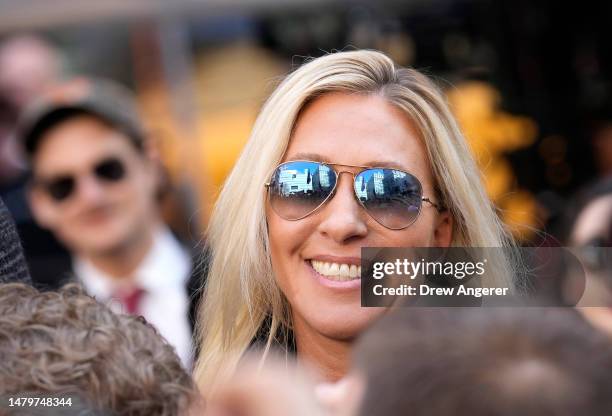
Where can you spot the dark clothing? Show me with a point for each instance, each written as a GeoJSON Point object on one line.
{"type": "Point", "coordinates": [13, 267]}
{"type": "Point", "coordinates": [46, 258]}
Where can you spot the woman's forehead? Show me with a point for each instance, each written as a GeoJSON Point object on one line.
{"type": "Point", "coordinates": [357, 130]}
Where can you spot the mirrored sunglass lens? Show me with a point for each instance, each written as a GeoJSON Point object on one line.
{"type": "Point", "coordinates": [60, 188]}
{"type": "Point", "coordinates": [298, 188]}
{"type": "Point", "coordinates": [391, 197]}
{"type": "Point", "coordinates": [111, 170]}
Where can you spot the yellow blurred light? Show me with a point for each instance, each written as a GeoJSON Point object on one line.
{"type": "Point", "coordinates": [491, 134]}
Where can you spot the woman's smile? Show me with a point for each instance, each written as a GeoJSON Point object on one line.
{"type": "Point", "coordinates": [336, 272]}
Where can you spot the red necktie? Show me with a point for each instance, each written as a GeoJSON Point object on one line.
{"type": "Point", "coordinates": [130, 299]}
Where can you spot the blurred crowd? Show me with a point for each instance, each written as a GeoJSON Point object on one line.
{"type": "Point", "coordinates": [106, 185]}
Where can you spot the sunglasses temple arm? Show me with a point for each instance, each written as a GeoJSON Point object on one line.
{"type": "Point", "coordinates": [433, 204]}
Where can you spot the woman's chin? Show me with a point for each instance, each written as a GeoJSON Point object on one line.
{"type": "Point", "coordinates": [342, 322]}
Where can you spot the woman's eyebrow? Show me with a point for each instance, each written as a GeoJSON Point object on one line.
{"type": "Point", "coordinates": [373, 163]}
{"type": "Point", "coordinates": [386, 164]}
{"type": "Point", "coordinates": [310, 156]}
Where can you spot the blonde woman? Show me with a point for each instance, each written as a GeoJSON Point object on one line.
{"type": "Point", "coordinates": [284, 265]}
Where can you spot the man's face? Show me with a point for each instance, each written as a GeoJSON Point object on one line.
{"type": "Point", "coordinates": [92, 187]}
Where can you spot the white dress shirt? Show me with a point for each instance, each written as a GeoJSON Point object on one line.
{"type": "Point", "coordinates": [163, 274]}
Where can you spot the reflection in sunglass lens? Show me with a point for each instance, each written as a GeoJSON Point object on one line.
{"type": "Point", "coordinates": [391, 197]}
{"type": "Point", "coordinates": [60, 188]}
{"type": "Point", "coordinates": [110, 170]}
{"type": "Point", "coordinates": [298, 188]}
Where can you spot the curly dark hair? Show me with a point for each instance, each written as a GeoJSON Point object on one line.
{"type": "Point", "coordinates": [66, 343]}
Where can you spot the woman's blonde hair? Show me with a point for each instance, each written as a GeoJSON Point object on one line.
{"type": "Point", "coordinates": [241, 294]}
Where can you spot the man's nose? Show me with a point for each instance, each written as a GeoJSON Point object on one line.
{"type": "Point", "coordinates": [343, 218]}
{"type": "Point", "coordinates": [89, 189]}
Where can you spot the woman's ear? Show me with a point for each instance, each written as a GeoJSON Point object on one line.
{"type": "Point", "coordinates": [443, 232]}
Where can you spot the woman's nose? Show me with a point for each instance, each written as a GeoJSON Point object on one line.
{"type": "Point", "coordinates": [343, 218]}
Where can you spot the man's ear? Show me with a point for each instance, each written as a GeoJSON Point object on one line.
{"type": "Point", "coordinates": [42, 208]}
{"type": "Point", "coordinates": [443, 232]}
{"type": "Point", "coordinates": [150, 148]}
{"type": "Point", "coordinates": [155, 165]}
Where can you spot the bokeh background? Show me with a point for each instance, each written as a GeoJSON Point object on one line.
{"type": "Point", "coordinates": [530, 81]}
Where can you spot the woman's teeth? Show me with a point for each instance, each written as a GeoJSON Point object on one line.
{"type": "Point", "coordinates": [337, 271]}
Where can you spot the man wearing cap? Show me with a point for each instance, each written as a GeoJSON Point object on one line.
{"type": "Point", "coordinates": [94, 185]}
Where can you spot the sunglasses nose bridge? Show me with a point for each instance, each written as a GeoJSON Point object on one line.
{"type": "Point", "coordinates": [344, 216]}
{"type": "Point", "coordinates": [339, 177]}
{"type": "Point", "coordinates": [340, 172]}
{"type": "Point", "coordinates": [352, 186]}
{"type": "Point", "coordinates": [88, 187]}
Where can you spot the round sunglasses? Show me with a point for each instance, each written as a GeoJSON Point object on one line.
{"type": "Point", "coordinates": [62, 187]}
{"type": "Point", "coordinates": [392, 197]}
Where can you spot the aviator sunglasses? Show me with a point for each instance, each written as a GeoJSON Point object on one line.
{"type": "Point", "coordinates": [61, 187]}
{"type": "Point", "coordinates": [392, 197]}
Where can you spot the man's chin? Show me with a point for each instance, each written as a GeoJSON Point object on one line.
{"type": "Point", "coordinates": [100, 248]}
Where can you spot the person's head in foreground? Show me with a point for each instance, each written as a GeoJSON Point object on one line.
{"type": "Point", "coordinates": [13, 266]}
{"type": "Point", "coordinates": [278, 388]}
{"type": "Point", "coordinates": [65, 344]}
{"type": "Point", "coordinates": [350, 151]}
{"type": "Point", "coordinates": [503, 362]}
{"type": "Point", "coordinates": [591, 236]}
{"type": "Point", "coordinates": [93, 180]}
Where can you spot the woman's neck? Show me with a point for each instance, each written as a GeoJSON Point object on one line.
{"type": "Point", "coordinates": [327, 356]}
